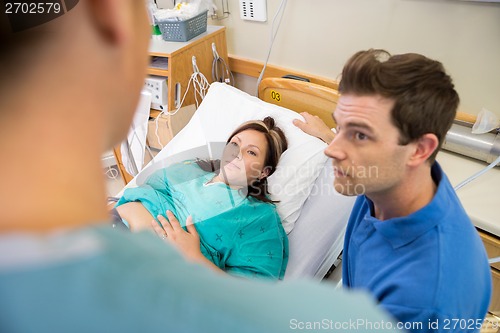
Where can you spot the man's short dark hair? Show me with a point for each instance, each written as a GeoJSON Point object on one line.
{"type": "Point", "coordinates": [425, 100]}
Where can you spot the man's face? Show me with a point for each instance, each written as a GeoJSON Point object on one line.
{"type": "Point", "coordinates": [367, 158]}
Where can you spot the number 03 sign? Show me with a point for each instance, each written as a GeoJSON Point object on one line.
{"type": "Point", "coordinates": [22, 15]}
{"type": "Point", "coordinates": [275, 96]}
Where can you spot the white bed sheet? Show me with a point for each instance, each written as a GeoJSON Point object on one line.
{"type": "Point", "coordinates": [318, 237]}
{"type": "Point", "coordinates": [223, 109]}
{"type": "Point", "coordinates": [318, 233]}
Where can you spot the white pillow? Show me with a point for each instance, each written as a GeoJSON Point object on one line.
{"type": "Point", "coordinates": [223, 109]}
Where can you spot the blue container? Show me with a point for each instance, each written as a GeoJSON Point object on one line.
{"type": "Point", "coordinates": [182, 31]}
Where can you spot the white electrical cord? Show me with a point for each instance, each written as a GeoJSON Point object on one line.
{"type": "Point", "coordinates": [272, 38]}
{"type": "Point", "coordinates": [480, 173]}
{"type": "Point", "coordinates": [111, 172]}
{"type": "Point", "coordinates": [200, 86]}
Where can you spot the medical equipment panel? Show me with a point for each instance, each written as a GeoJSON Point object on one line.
{"type": "Point", "coordinates": [157, 85]}
{"type": "Point", "coordinates": [253, 10]}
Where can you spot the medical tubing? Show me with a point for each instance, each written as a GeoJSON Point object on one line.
{"type": "Point", "coordinates": [226, 75]}
{"type": "Point", "coordinates": [480, 173]}
{"type": "Point", "coordinates": [494, 260]}
{"type": "Point", "coordinates": [111, 172]}
{"type": "Point", "coordinates": [199, 88]}
{"type": "Point", "coordinates": [273, 37]}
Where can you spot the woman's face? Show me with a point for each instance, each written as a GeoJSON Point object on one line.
{"type": "Point", "coordinates": [243, 159]}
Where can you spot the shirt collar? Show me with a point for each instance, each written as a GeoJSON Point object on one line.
{"type": "Point", "coordinates": [403, 230]}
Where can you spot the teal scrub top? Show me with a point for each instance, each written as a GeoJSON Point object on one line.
{"type": "Point", "coordinates": [241, 235]}
{"type": "Point", "coordinates": [99, 279]}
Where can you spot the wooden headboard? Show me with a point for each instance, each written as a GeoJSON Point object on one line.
{"type": "Point", "coordinates": [300, 96]}
{"type": "Point", "coordinates": [316, 99]}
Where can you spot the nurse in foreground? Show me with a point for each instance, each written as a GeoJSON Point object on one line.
{"type": "Point", "coordinates": [63, 268]}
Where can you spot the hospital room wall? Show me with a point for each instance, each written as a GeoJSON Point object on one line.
{"type": "Point", "coordinates": [317, 37]}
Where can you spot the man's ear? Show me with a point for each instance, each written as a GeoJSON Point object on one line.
{"type": "Point", "coordinates": [109, 18]}
{"type": "Point", "coordinates": [424, 147]}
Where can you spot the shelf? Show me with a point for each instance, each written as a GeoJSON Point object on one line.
{"type": "Point", "coordinates": [158, 72]}
{"type": "Point", "coordinates": [108, 159]}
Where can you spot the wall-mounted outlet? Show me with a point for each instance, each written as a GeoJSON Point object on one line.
{"type": "Point", "coordinates": [253, 10]}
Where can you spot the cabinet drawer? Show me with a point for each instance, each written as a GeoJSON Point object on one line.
{"type": "Point", "coordinates": [495, 296]}
{"type": "Point", "coordinates": [492, 246]}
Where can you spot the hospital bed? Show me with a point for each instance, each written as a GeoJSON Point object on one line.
{"type": "Point", "coordinates": [313, 214]}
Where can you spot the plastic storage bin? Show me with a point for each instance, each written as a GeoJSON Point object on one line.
{"type": "Point", "coordinates": [181, 31]}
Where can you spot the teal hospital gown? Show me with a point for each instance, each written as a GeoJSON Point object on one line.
{"type": "Point", "coordinates": [241, 235]}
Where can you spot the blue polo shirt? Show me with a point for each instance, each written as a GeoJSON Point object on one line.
{"type": "Point", "coordinates": [428, 269]}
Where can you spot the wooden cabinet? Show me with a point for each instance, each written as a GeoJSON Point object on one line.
{"type": "Point", "coordinates": [492, 246]}
{"type": "Point", "coordinates": [177, 68]}
{"type": "Point", "coordinates": [168, 126]}
{"type": "Point", "coordinates": [179, 61]}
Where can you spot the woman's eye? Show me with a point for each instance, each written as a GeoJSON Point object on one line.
{"type": "Point", "coordinates": [232, 143]}
{"type": "Point", "coordinates": [252, 153]}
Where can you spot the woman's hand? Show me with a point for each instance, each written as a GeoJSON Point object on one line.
{"type": "Point", "coordinates": [314, 126]}
{"type": "Point", "coordinates": [188, 242]}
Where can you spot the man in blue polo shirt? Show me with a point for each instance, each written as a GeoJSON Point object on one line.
{"type": "Point", "coordinates": [408, 240]}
